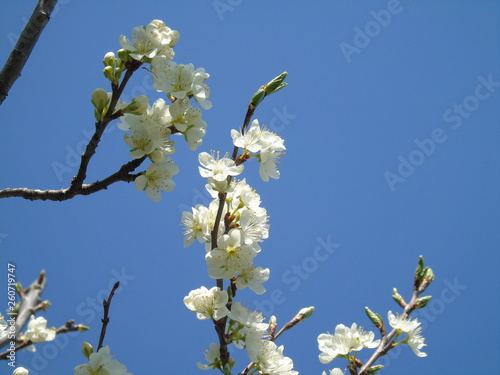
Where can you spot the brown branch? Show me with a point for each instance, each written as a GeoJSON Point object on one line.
{"type": "Point", "coordinates": [77, 187]}
{"type": "Point", "coordinates": [123, 174]}
{"type": "Point", "coordinates": [65, 328]}
{"type": "Point", "coordinates": [30, 299]}
{"type": "Point", "coordinates": [100, 126]}
{"type": "Point", "coordinates": [105, 320]}
{"type": "Point", "coordinates": [22, 50]}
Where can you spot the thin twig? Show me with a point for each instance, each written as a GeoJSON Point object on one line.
{"type": "Point", "coordinates": [105, 320]}
{"type": "Point", "coordinates": [30, 299]}
{"type": "Point", "coordinates": [65, 328]}
{"type": "Point", "coordinates": [25, 44]}
{"type": "Point", "coordinates": [77, 187]}
{"type": "Point", "coordinates": [386, 341]}
{"type": "Point", "coordinates": [123, 174]}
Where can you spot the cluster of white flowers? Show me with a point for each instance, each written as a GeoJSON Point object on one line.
{"type": "Point", "coordinates": [237, 245]}
{"type": "Point", "coordinates": [243, 223]}
{"type": "Point", "coordinates": [38, 332]}
{"type": "Point", "coordinates": [412, 329]}
{"type": "Point", "coordinates": [347, 340]}
{"type": "Point", "coordinates": [102, 363]}
{"type": "Point", "coordinates": [344, 341]}
{"type": "Point", "coordinates": [268, 146]}
{"type": "Point", "coordinates": [150, 127]}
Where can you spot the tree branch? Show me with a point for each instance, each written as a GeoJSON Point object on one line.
{"type": "Point", "coordinates": [25, 44]}
{"type": "Point", "coordinates": [30, 298]}
{"type": "Point", "coordinates": [105, 320]}
{"type": "Point", "coordinates": [123, 174]}
{"type": "Point", "coordinates": [65, 328]}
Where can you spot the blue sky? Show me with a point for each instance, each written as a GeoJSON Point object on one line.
{"type": "Point", "coordinates": [391, 125]}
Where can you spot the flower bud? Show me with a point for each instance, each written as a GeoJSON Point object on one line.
{"type": "Point", "coordinates": [156, 156]}
{"type": "Point", "coordinates": [124, 56]}
{"type": "Point", "coordinates": [109, 73]}
{"type": "Point", "coordinates": [258, 97]}
{"type": "Point", "coordinates": [276, 84]}
{"type": "Point", "coordinates": [374, 369]}
{"type": "Point", "coordinates": [398, 298]}
{"type": "Point", "coordinates": [137, 106]}
{"type": "Point", "coordinates": [81, 328]}
{"type": "Point", "coordinates": [117, 75]}
{"type": "Point", "coordinates": [20, 371]}
{"type": "Point", "coordinates": [109, 59]}
{"type": "Point", "coordinates": [422, 302]}
{"type": "Point", "coordinates": [272, 325]}
{"type": "Point", "coordinates": [87, 349]}
{"type": "Point", "coordinates": [304, 313]}
{"type": "Point", "coordinates": [100, 98]}
{"type": "Point", "coordinates": [375, 318]}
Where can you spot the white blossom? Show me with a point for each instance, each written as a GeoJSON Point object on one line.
{"type": "Point", "coordinates": [208, 304]}
{"type": "Point", "coordinates": [149, 41]}
{"type": "Point", "coordinates": [344, 341]}
{"type": "Point", "coordinates": [212, 356]}
{"type": "Point", "coordinates": [101, 363]}
{"type": "Point", "coordinates": [411, 328]}
{"type": "Point", "coordinates": [268, 356]}
{"type": "Point", "coordinates": [218, 169]}
{"type": "Point", "coordinates": [157, 178]}
{"type": "Point", "coordinates": [253, 277]}
{"type": "Point", "coordinates": [198, 224]}
{"type": "Point", "coordinates": [230, 256]}
{"type": "Point", "coordinates": [37, 330]}
{"type": "Point", "coordinates": [20, 371]}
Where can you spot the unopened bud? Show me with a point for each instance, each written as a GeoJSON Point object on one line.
{"type": "Point", "coordinates": [427, 278]}
{"type": "Point", "coordinates": [273, 86]}
{"type": "Point", "coordinates": [109, 73]}
{"type": "Point", "coordinates": [87, 349]}
{"type": "Point", "coordinates": [109, 59]}
{"type": "Point", "coordinates": [81, 328]}
{"type": "Point", "coordinates": [258, 97]}
{"type": "Point", "coordinates": [44, 305]}
{"type": "Point", "coordinates": [272, 325]}
{"type": "Point", "coordinates": [422, 302]}
{"type": "Point", "coordinates": [20, 371]}
{"type": "Point", "coordinates": [374, 369]}
{"type": "Point", "coordinates": [398, 298]}
{"type": "Point", "coordinates": [118, 74]}
{"type": "Point", "coordinates": [123, 54]}
{"type": "Point", "coordinates": [304, 313]}
{"type": "Point", "coordinates": [100, 98]}
{"type": "Point", "coordinates": [375, 318]}
{"type": "Point", "coordinates": [156, 156]}
{"type": "Point", "coordinates": [276, 84]}
{"type": "Point", "coordinates": [137, 106]}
